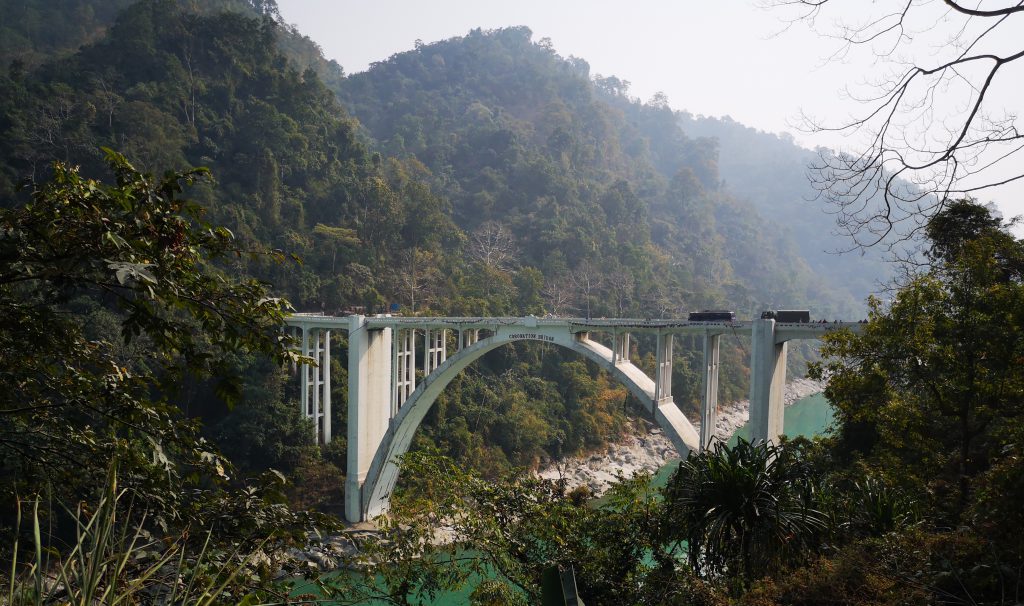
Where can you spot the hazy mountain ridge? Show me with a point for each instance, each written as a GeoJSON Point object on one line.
{"type": "Point", "coordinates": [771, 172]}
{"type": "Point", "coordinates": [485, 109]}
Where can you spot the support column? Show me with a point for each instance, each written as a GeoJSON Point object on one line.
{"type": "Point", "coordinates": [767, 381]}
{"type": "Point", "coordinates": [620, 348]}
{"type": "Point", "coordinates": [468, 336]}
{"type": "Point", "coordinates": [663, 373]}
{"type": "Point", "coordinates": [304, 371]}
{"type": "Point", "coordinates": [315, 382]}
{"type": "Point", "coordinates": [313, 412]}
{"type": "Point", "coordinates": [428, 351]}
{"type": "Point", "coordinates": [404, 367]}
{"type": "Point", "coordinates": [709, 403]}
{"type": "Point", "coordinates": [325, 399]}
{"type": "Point", "coordinates": [435, 350]}
{"type": "Point", "coordinates": [369, 405]}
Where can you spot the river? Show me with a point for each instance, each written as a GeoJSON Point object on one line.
{"type": "Point", "coordinates": [807, 417]}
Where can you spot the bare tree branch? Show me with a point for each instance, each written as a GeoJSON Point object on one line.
{"type": "Point", "coordinates": [493, 246]}
{"type": "Point", "coordinates": [931, 129]}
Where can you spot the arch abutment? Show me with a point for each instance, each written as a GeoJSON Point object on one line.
{"type": "Point", "coordinates": [383, 470]}
{"type": "Point", "coordinates": [709, 402]}
{"type": "Point", "coordinates": [370, 399]}
{"type": "Point", "coordinates": [767, 382]}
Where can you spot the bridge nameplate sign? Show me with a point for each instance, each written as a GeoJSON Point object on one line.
{"type": "Point", "coordinates": [531, 336]}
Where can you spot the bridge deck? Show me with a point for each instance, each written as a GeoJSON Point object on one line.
{"type": "Point", "coordinates": [788, 330]}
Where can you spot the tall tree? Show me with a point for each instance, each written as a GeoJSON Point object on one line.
{"type": "Point", "coordinates": [931, 390]}
{"type": "Point", "coordinates": [138, 253]}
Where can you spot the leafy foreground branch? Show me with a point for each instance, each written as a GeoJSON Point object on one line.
{"type": "Point", "coordinates": [113, 304]}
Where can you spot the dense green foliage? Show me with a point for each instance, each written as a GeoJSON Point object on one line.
{"type": "Point", "coordinates": [111, 304]}
{"type": "Point", "coordinates": [172, 89]}
{"type": "Point", "coordinates": [511, 531]}
{"type": "Point", "coordinates": [136, 257]}
{"type": "Point", "coordinates": [584, 179]}
{"type": "Point", "coordinates": [34, 31]}
{"type": "Point", "coordinates": [744, 511]}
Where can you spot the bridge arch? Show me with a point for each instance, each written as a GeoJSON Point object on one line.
{"type": "Point", "coordinates": [384, 469]}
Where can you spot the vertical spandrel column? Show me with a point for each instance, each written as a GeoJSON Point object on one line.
{"type": "Point", "coordinates": [325, 399]}
{"type": "Point", "coordinates": [317, 384]}
{"type": "Point", "coordinates": [411, 364]}
{"type": "Point", "coordinates": [620, 349]}
{"type": "Point", "coordinates": [663, 373]}
{"type": "Point", "coordinates": [709, 403]}
{"type": "Point", "coordinates": [435, 352]}
{"type": "Point", "coordinates": [304, 371]}
{"type": "Point", "coordinates": [405, 366]}
{"type": "Point", "coordinates": [396, 376]}
{"type": "Point", "coordinates": [468, 336]}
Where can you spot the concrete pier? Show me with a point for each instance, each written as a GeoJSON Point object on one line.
{"type": "Point", "coordinates": [767, 381]}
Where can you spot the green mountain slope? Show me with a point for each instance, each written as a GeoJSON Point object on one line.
{"type": "Point", "coordinates": [34, 31]}
{"type": "Point", "coordinates": [517, 135]}
{"type": "Point", "coordinates": [486, 175]}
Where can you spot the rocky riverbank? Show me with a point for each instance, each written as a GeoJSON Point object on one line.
{"type": "Point", "coordinates": [648, 449]}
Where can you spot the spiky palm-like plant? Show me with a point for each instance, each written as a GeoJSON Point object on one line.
{"type": "Point", "coordinates": [743, 510]}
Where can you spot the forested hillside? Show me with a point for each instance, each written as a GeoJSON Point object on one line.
{"type": "Point", "coordinates": [577, 171]}
{"type": "Point", "coordinates": [480, 175]}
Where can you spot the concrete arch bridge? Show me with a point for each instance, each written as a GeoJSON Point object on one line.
{"type": "Point", "coordinates": [386, 402]}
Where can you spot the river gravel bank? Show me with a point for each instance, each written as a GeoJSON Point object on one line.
{"type": "Point", "coordinates": [649, 449]}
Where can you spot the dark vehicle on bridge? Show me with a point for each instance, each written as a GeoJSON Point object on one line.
{"type": "Point", "coordinates": [800, 316]}
{"type": "Point", "coordinates": [712, 315]}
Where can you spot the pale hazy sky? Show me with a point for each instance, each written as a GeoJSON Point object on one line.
{"type": "Point", "coordinates": [721, 58]}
